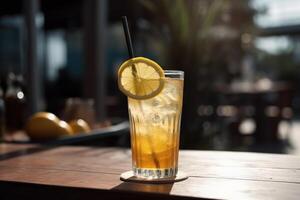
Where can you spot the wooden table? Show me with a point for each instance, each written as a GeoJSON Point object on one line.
{"type": "Point", "coordinates": [34, 172]}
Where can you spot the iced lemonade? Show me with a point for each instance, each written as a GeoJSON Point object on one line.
{"type": "Point", "coordinates": [154, 104]}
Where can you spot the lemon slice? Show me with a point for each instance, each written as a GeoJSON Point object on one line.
{"type": "Point", "coordinates": [140, 78]}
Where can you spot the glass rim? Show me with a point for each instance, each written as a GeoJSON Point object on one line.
{"type": "Point", "coordinates": [174, 73]}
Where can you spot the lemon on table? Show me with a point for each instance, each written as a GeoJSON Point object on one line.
{"type": "Point", "coordinates": [44, 125]}
{"type": "Point", "coordinates": [140, 78]}
{"type": "Point", "coordinates": [64, 128]}
{"type": "Point", "coordinates": [79, 126]}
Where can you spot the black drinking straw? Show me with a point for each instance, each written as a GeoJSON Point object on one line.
{"type": "Point", "coordinates": [128, 37]}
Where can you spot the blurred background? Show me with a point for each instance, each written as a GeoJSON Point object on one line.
{"type": "Point", "coordinates": [241, 61]}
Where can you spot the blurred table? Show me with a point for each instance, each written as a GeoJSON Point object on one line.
{"type": "Point", "coordinates": [37, 172]}
{"type": "Point", "coordinates": [266, 102]}
{"type": "Point", "coordinates": [105, 135]}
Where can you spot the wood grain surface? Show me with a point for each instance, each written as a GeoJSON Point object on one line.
{"type": "Point", "coordinates": [29, 171]}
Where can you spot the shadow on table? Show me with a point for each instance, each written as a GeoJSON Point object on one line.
{"type": "Point", "coordinates": [157, 191]}
{"type": "Point", "coordinates": [156, 188]}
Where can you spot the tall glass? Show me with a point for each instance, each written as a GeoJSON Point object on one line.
{"type": "Point", "coordinates": [155, 129]}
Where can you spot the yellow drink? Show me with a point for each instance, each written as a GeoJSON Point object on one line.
{"type": "Point", "coordinates": [155, 129]}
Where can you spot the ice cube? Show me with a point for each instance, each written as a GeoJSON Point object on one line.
{"type": "Point", "coordinates": [155, 102]}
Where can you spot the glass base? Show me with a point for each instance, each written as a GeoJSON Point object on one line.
{"type": "Point", "coordinates": [155, 173]}
{"type": "Point", "coordinates": [130, 177]}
